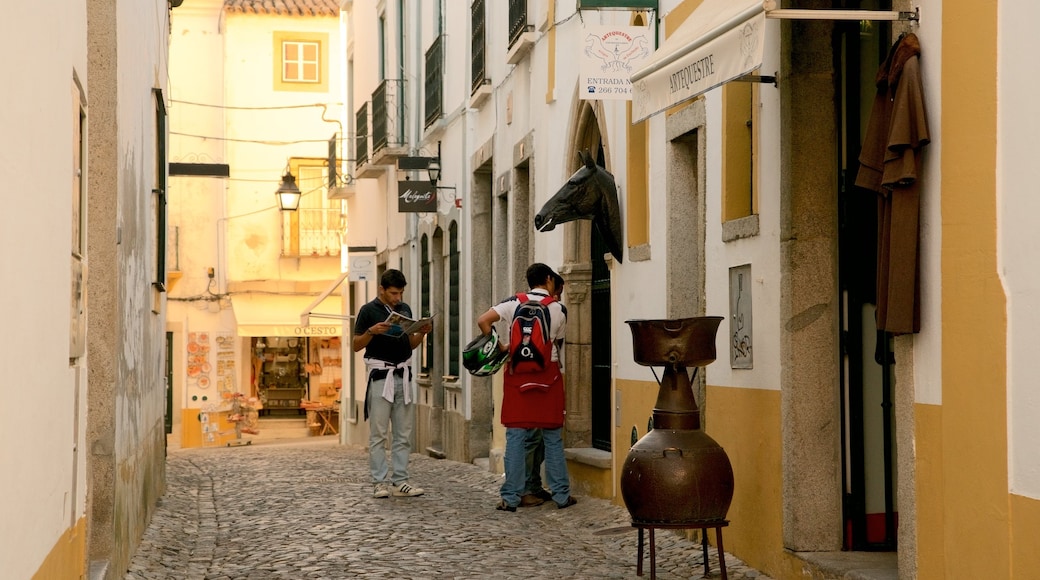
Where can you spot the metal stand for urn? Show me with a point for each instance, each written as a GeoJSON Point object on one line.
{"type": "Point", "coordinates": [677, 476]}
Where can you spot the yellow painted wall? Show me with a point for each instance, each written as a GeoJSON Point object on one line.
{"type": "Point", "coordinates": [746, 423]}
{"type": "Point", "coordinates": [635, 410]}
{"type": "Point", "coordinates": [191, 435]}
{"type": "Point", "coordinates": [67, 558]}
{"type": "Point", "coordinates": [973, 427]}
{"type": "Point", "coordinates": [929, 490]}
{"type": "Point", "coordinates": [1025, 531]}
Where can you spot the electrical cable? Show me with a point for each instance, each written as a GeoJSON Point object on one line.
{"type": "Point", "coordinates": [232, 107]}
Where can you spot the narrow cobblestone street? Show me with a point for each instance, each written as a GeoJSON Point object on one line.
{"type": "Point", "coordinates": [303, 509]}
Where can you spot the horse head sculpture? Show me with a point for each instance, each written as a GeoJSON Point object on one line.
{"type": "Point", "coordinates": [590, 193]}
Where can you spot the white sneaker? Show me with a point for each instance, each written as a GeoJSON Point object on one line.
{"type": "Point", "coordinates": [405, 490]}
{"type": "Point", "coordinates": [381, 491]}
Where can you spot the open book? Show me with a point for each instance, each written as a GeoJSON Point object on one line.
{"type": "Point", "coordinates": [401, 324]}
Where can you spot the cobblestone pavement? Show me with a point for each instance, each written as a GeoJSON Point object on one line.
{"type": "Point", "coordinates": [303, 509]}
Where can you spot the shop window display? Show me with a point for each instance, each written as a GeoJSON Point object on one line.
{"type": "Point", "coordinates": [280, 374]}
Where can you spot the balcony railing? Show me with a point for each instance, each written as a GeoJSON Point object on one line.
{"type": "Point", "coordinates": [361, 135]}
{"type": "Point", "coordinates": [388, 115]}
{"type": "Point", "coordinates": [517, 20]}
{"type": "Point", "coordinates": [318, 233]}
{"type": "Point", "coordinates": [477, 44]}
{"type": "Point", "coordinates": [434, 80]}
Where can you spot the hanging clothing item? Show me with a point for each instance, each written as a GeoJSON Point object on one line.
{"type": "Point", "coordinates": [890, 163]}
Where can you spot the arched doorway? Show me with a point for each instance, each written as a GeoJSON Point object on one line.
{"type": "Point", "coordinates": [586, 270]}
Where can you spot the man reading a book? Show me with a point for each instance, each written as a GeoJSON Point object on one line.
{"type": "Point", "coordinates": [390, 398]}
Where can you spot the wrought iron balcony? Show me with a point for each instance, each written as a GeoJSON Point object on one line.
{"type": "Point", "coordinates": [435, 81]}
{"type": "Point", "coordinates": [478, 43]}
{"type": "Point", "coordinates": [521, 32]}
{"type": "Point", "coordinates": [388, 122]}
{"type": "Point", "coordinates": [361, 135]}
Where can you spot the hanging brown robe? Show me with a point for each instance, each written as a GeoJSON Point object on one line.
{"type": "Point", "coordinates": [889, 165]}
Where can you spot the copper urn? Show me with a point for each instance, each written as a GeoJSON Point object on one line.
{"type": "Point", "coordinates": [676, 473]}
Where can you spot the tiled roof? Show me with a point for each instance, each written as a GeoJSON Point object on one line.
{"type": "Point", "coordinates": [284, 7]}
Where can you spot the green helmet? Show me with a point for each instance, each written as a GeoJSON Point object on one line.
{"type": "Point", "coordinates": [482, 357]}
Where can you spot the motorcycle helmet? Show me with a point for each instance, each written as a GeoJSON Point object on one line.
{"type": "Point", "coordinates": [482, 357]}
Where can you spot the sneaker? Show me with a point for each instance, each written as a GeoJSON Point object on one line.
{"type": "Point", "coordinates": [405, 490]}
{"type": "Point", "coordinates": [504, 507]}
{"type": "Point", "coordinates": [381, 491]}
{"type": "Point", "coordinates": [570, 501]}
{"type": "Point", "coordinates": [531, 500]}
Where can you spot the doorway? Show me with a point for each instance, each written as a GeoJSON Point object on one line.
{"type": "Point", "coordinates": [601, 332]}
{"type": "Point", "coordinates": [870, 512]}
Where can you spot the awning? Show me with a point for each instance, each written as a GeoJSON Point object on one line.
{"type": "Point", "coordinates": [279, 315]}
{"type": "Point", "coordinates": [722, 40]}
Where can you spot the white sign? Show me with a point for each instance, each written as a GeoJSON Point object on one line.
{"type": "Point", "coordinates": [608, 58]}
{"type": "Point", "coordinates": [362, 268]}
{"type": "Point", "coordinates": [698, 60]}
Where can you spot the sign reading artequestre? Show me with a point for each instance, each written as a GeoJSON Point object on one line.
{"type": "Point", "coordinates": [416, 196]}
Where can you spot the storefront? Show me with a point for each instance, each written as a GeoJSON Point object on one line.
{"type": "Point", "coordinates": [292, 358]}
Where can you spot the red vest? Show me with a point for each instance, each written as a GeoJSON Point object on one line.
{"type": "Point", "coordinates": [534, 400]}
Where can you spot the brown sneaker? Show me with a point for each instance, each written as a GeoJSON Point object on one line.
{"type": "Point", "coordinates": [531, 500]}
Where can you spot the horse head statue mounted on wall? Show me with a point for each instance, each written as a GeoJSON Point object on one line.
{"type": "Point", "coordinates": [591, 194]}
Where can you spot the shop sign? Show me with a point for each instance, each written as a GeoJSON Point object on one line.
{"type": "Point", "coordinates": [416, 196]}
{"type": "Point", "coordinates": [609, 56]}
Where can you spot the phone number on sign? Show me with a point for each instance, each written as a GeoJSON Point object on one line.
{"type": "Point", "coordinates": [609, 90]}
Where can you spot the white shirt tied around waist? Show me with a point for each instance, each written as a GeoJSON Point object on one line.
{"type": "Point", "coordinates": [388, 385]}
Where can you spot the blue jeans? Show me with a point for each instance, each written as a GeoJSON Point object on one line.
{"type": "Point", "coordinates": [516, 462]}
{"type": "Point", "coordinates": [381, 415]}
{"type": "Point", "coordinates": [535, 456]}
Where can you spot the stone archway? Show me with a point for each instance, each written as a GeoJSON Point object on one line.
{"type": "Point", "coordinates": [576, 270]}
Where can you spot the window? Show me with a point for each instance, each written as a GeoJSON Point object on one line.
{"type": "Point", "coordinates": [739, 141]}
{"type": "Point", "coordinates": [425, 299]}
{"type": "Point", "coordinates": [382, 46]}
{"type": "Point", "coordinates": [77, 311]}
{"type": "Point", "coordinates": [434, 80]}
{"type": "Point", "coordinates": [517, 20]}
{"type": "Point", "coordinates": [477, 45]}
{"type": "Point", "coordinates": [300, 63]}
{"type": "Point", "coordinates": [454, 334]}
{"type": "Point", "coordinates": [159, 197]}
{"type": "Point", "coordinates": [315, 229]}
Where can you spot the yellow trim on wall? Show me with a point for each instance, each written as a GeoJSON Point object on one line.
{"type": "Point", "coordinates": [322, 86]}
{"type": "Point", "coordinates": [636, 406]}
{"type": "Point", "coordinates": [637, 190]}
{"type": "Point", "coordinates": [637, 194]}
{"type": "Point", "coordinates": [738, 128]}
{"type": "Point", "coordinates": [1025, 521]}
{"type": "Point", "coordinates": [678, 15]}
{"type": "Point", "coordinates": [746, 423]}
{"type": "Point", "coordinates": [67, 558]}
{"type": "Point", "coordinates": [974, 425]}
{"type": "Point", "coordinates": [550, 88]}
{"type": "Point", "coordinates": [928, 490]}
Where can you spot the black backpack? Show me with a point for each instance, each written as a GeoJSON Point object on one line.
{"type": "Point", "coordinates": [530, 348]}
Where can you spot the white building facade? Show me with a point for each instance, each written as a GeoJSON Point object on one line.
{"type": "Point", "coordinates": [738, 200]}
{"type": "Point", "coordinates": [256, 98]}
{"type": "Point", "coordinates": [82, 437]}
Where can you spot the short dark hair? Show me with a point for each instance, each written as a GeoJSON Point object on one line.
{"type": "Point", "coordinates": [558, 281]}
{"type": "Point", "coordinates": [393, 278]}
{"type": "Point", "coordinates": [538, 273]}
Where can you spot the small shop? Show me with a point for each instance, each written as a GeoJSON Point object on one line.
{"type": "Point", "coordinates": [294, 366]}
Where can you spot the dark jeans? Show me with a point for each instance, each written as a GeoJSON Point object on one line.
{"type": "Point", "coordinates": [534, 449]}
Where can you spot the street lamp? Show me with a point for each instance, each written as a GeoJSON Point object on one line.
{"type": "Point", "coordinates": [288, 194]}
{"type": "Point", "coordinates": [434, 167]}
